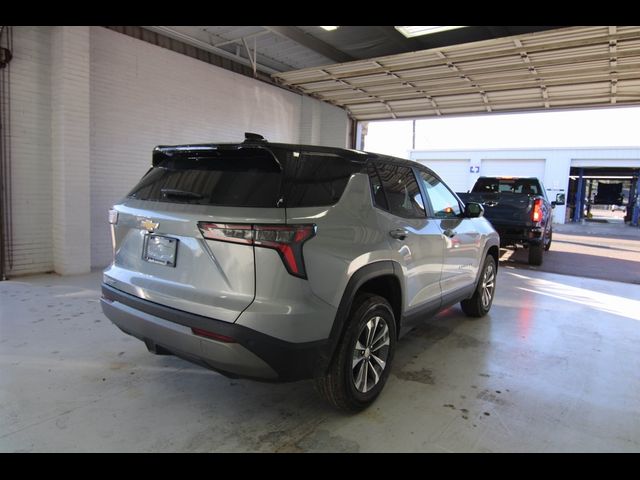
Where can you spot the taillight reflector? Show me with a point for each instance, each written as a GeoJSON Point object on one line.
{"type": "Point", "coordinates": [212, 335]}
{"type": "Point", "coordinates": [287, 240]}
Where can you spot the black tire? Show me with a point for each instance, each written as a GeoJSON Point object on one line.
{"type": "Point", "coordinates": [480, 303]}
{"type": "Point", "coordinates": [548, 245]}
{"type": "Point", "coordinates": [535, 254]}
{"type": "Point", "coordinates": [339, 386]}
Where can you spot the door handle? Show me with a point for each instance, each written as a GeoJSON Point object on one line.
{"type": "Point", "coordinates": [399, 233]}
{"type": "Point", "coordinates": [449, 233]}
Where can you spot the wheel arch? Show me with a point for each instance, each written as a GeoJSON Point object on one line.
{"type": "Point", "coordinates": [492, 249]}
{"type": "Point", "coordinates": [379, 278]}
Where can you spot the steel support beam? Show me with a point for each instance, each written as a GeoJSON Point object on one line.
{"type": "Point", "coordinates": [169, 32]}
{"type": "Point", "coordinates": [312, 43]}
{"type": "Point", "coordinates": [577, 213]}
{"type": "Point", "coordinates": [634, 199]}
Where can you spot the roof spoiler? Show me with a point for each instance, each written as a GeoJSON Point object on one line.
{"type": "Point", "coordinates": [253, 137]}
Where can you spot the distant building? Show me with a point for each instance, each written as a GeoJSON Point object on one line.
{"type": "Point", "coordinates": [558, 168]}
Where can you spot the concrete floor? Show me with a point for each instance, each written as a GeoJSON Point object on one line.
{"type": "Point", "coordinates": [554, 368]}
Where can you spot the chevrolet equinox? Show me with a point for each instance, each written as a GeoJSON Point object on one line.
{"type": "Point", "coordinates": [282, 262]}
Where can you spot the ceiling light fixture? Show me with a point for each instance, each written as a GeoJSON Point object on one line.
{"type": "Point", "coordinates": [328, 29]}
{"type": "Point", "coordinates": [410, 32]}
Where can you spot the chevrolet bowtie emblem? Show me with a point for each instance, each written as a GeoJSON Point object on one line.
{"type": "Point", "coordinates": [148, 225]}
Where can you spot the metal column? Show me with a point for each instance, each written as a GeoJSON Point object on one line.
{"type": "Point", "coordinates": [6, 234]}
{"type": "Point", "coordinates": [588, 197]}
{"type": "Point", "coordinates": [634, 199]}
{"type": "Point", "coordinates": [577, 213]}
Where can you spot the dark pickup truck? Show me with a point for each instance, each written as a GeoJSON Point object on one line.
{"type": "Point", "coordinates": [519, 210]}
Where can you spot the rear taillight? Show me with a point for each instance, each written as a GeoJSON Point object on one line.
{"type": "Point", "coordinates": [536, 213]}
{"type": "Point", "coordinates": [287, 240]}
{"type": "Point", "coordinates": [227, 233]}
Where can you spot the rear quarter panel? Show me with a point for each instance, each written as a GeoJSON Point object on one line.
{"type": "Point", "coordinates": [348, 238]}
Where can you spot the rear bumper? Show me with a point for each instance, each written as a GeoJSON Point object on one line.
{"type": "Point", "coordinates": [510, 234]}
{"type": "Point", "coordinates": [252, 354]}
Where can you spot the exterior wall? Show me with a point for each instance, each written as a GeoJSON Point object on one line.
{"type": "Point", "coordinates": [558, 163]}
{"type": "Point", "coordinates": [70, 149]}
{"type": "Point", "coordinates": [31, 179]}
{"type": "Point", "coordinates": [88, 105]}
{"type": "Point", "coordinates": [144, 95]}
{"type": "Point", "coordinates": [323, 124]}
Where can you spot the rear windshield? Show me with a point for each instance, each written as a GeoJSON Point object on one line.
{"type": "Point", "coordinates": [247, 177]}
{"type": "Point", "coordinates": [507, 185]}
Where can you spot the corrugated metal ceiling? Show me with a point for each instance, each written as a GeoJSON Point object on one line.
{"type": "Point", "coordinates": [569, 67]}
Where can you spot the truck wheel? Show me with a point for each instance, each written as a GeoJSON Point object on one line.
{"type": "Point", "coordinates": [480, 303]}
{"type": "Point", "coordinates": [363, 359]}
{"type": "Point", "coordinates": [535, 254]}
{"type": "Point", "coordinates": [548, 245]}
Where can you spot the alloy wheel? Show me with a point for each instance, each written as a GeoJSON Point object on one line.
{"type": "Point", "coordinates": [488, 285]}
{"type": "Point", "coordinates": [370, 354]}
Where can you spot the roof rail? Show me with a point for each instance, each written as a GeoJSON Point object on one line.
{"type": "Point", "coordinates": [253, 137]}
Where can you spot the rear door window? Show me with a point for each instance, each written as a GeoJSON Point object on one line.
{"type": "Point", "coordinates": [379, 198]}
{"type": "Point", "coordinates": [245, 177]}
{"type": "Point", "coordinates": [401, 190]}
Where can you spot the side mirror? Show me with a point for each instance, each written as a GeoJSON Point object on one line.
{"type": "Point", "coordinates": [473, 210]}
{"type": "Point", "coordinates": [560, 200]}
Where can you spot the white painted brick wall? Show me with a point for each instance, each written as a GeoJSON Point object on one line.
{"type": "Point", "coordinates": [310, 116]}
{"type": "Point", "coordinates": [323, 124]}
{"type": "Point", "coordinates": [139, 96]}
{"type": "Point", "coordinates": [334, 126]}
{"type": "Point", "coordinates": [144, 95]}
{"type": "Point", "coordinates": [70, 149]}
{"type": "Point", "coordinates": [31, 150]}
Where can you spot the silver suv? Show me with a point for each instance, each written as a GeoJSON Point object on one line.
{"type": "Point", "coordinates": [284, 262]}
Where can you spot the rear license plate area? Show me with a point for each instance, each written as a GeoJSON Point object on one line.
{"type": "Point", "coordinates": [160, 250]}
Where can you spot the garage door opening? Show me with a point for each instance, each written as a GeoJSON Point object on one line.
{"type": "Point", "coordinates": [603, 195]}
{"type": "Point", "coordinates": [546, 145]}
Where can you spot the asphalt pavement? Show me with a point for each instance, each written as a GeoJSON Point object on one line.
{"type": "Point", "coordinates": [604, 248]}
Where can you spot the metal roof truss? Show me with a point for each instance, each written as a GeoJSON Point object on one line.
{"type": "Point", "coordinates": [564, 68]}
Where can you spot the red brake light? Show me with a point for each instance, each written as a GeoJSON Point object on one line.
{"type": "Point", "coordinates": [536, 213]}
{"type": "Point", "coordinates": [212, 335]}
{"type": "Point", "coordinates": [287, 240]}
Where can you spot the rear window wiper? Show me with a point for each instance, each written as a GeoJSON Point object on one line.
{"type": "Point", "coordinates": [170, 192]}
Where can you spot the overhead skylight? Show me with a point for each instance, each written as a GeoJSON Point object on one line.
{"type": "Point", "coordinates": [410, 32]}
